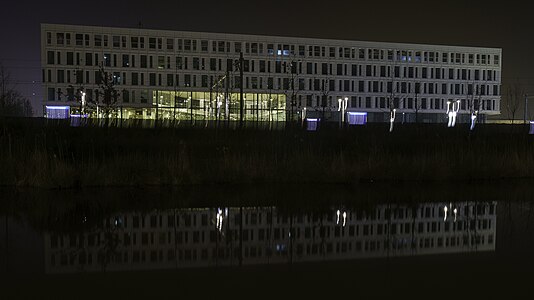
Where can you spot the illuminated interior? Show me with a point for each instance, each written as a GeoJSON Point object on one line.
{"type": "Point", "coordinates": [357, 118]}
{"type": "Point", "coordinates": [182, 105]}
{"type": "Point", "coordinates": [311, 124]}
{"type": "Point", "coordinates": [57, 112]}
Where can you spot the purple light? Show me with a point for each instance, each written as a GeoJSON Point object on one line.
{"type": "Point", "coordinates": [58, 107]}
{"type": "Point", "coordinates": [57, 112]}
{"type": "Point", "coordinates": [312, 124]}
{"type": "Point", "coordinates": [357, 118]}
{"type": "Point", "coordinates": [357, 113]}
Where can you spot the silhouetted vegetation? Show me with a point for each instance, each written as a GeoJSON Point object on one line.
{"type": "Point", "coordinates": [55, 155]}
{"type": "Point", "coordinates": [12, 102]}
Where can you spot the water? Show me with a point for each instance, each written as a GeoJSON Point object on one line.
{"type": "Point", "coordinates": [267, 242]}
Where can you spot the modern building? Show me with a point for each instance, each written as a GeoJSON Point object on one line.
{"type": "Point", "coordinates": [178, 75]}
{"type": "Point", "coordinates": [204, 237]}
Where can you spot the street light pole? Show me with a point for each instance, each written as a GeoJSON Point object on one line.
{"type": "Point", "coordinates": [191, 106]}
{"type": "Point", "coordinates": [241, 100]}
{"type": "Point", "coordinates": [526, 110]}
{"type": "Point", "coordinates": [342, 108]}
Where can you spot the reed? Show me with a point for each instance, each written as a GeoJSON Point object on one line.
{"type": "Point", "coordinates": [36, 154]}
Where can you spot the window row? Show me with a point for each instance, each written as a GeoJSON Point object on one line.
{"type": "Point", "coordinates": [323, 86]}
{"type": "Point", "coordinates": [266, 66]}
{"type": "Point", "coordinates": [69, 94]}
{"type": "Point", "coordinates": [271, 49]}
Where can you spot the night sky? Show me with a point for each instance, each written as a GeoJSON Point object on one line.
{"type": "Point", "coordinates": [508, 25]}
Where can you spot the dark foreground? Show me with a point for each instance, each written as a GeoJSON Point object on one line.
{"type": "Point", "coordinates": [455, 276]}
{"type": "Point", "coordinates": [395, 242]}
{"type": "Point", "coordinates": [37, 153]}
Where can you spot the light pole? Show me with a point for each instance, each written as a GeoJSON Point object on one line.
{"type": "Point", "coordinates": [525, 117]}
{"type": "Point", "coordinates": [392, 115]}
{"type": "Point", "coordinates": [342, 108]}
{"type": "Point", "coordinates": [452, 111]}
{"type": "Point", "coordinates": [191, 106]}
{"type": "Point", "coordinates": [83, 103]}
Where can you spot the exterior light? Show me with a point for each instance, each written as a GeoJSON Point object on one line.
{"type": "Point", "coordinates": [57, 107]}
{"type": "Point", "coordinates": [452, 111]}
{"type": "Point", "coordinates": [392, 116]}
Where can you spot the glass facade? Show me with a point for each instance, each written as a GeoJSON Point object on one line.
{"type": "Point", "coordinates": [184, 105]}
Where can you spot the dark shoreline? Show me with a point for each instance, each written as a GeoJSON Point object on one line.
{"type": "Point", "coordinates": [36, 153]}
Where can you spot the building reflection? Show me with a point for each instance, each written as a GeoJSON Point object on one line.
{"type": "Point", "coordinates": [209, 237]}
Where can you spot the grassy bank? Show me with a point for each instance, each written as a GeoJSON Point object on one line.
{"type": "Point", "coordinates": [39, 154]}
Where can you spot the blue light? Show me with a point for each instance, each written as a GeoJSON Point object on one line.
{"type": "Point", "coordinates": [57, 112]}
{"type": "Point", "coordinates": [311, 124]}
{"type": "Point", "coordinates": [57, 107]}
{"type": "Point", "coordinates": [357, 118]}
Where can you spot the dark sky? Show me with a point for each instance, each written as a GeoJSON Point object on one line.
{"type": "Point", "coordinates": [507, 25]}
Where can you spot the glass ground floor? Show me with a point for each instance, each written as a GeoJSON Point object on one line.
{"type": "Point", "coordinates": [181, 105]}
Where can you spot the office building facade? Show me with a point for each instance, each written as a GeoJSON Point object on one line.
{"type": "Point", "coordinates": [177, 75]}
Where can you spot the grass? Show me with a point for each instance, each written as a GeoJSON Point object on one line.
{"type": "Point", "coordinates": [34, 153]}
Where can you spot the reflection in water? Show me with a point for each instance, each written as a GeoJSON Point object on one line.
{"type": "Point", "coordinates": [181, 238]}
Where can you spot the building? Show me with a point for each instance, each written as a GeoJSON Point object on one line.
{"type": "Point", "coordinates": [177, 75]}
{"type": "Point", "coordinates": [204, 237]}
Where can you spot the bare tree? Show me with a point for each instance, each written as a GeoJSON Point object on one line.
{"type": "Point", "coordinates": [392, 96]}
{"type": "Point", "coordinates": [513, 94]}
{"type": "Point", "coordinates": [475, 105]}
{"type": "Point", "coordinates": [324, 92]}
{"type": "Point", "coordinates": [12, 102]}
{"type": "Point", "coordinates": [292, 88]}
{"type": "Point", "coordinates": [418, 103]}
{"type": "Point", "coordinates": [107, 95]}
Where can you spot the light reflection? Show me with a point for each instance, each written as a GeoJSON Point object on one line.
{"type": "Point", "coordinates": [220, 218]}
{"type": "Point", "coordinates": [179, 238]}
{"type": "Point", "coordinates": [393, 114]}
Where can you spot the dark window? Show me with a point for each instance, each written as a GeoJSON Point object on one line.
{"type": "Point", "coordinates": [88, 59]}
{"type": "Point", "coordinates": [143, 61]}
{"type": "Point", "coordinates": [60, 38]}
{"type": "Point", "coordinates": [70, 58]}
{"type": "Point", "coordinates": [125, 61]}
{"type": "Point", "coordinates": [60, 76]}
{"type": "Point", "coordinates": [51, 94]}
{"type": "Point", "coordinates": [50, 57]}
